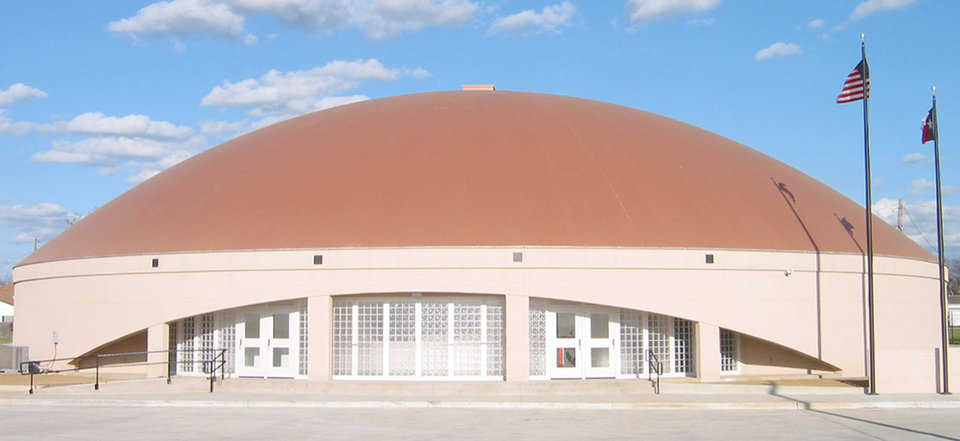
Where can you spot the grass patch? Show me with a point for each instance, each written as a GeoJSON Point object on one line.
{"type": "Point", "coordinates": [955, 336]}
{"type": "Point", "coordinates": [4, 341]}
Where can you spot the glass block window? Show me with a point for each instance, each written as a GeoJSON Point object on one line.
{"type": "Point", "coordinates": [538, 339]}
{"type": "Point", "coordinates": [494, 340]}
{"type": "Point", "coordinates": [418, 337]}
{"type": "Point", "coordinates": [302, 369]}
{"type": "Point", "coordinates": [403, 338]}
{"type": "Point", "coordinates": [434, 339]}
{"type": "Point", "coordinates": [370, 338]}
{"type": "Point", "coordinates": [658, 338]}
{"type": "Point", "coordinates": [185, 345]}
{"type": "Point", "coordinates": [466, 338]}
{"type": "Point", "coordinates": [342, 338]}
{"type": "Point", "coordinates": [728, 351]}
{"type": "Point", "coordinates": [631, 343]}
{"type": "Point", "coordinates": [682, 346]}
{"type": "Point", "coordinates": [227, 334]}
{"type": "Point", "coordinates": [206, 343]}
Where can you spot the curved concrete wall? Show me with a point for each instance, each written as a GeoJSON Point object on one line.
{"type": "Point", "coordinates": [814, 304]}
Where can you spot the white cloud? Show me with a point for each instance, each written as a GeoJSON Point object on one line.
{"type": "Point", "coordinates": [19, 92]}
{"type": "Point", "coordinates": [250, 39]}
{"type": "Point", "coordinates": [219, 128]}
{"type": "Point", "coordinates": [921, 186]}
{"type": "Point", "coordinates": [709, 21]}
{"type": "Point", "coordinates": [278, 89]}
{"type": "Point", "coordinates": [913, 158]}
{"type": "Point", "coordinates": [870, 7]}
{"type": "Point", "coordinates": [109, 153]}
{"type": "Point", "coordinates": [376, 18]}
{"type": "Point", "coordinates": [778, 49]}
{"type": "Point", "coordinates": [647, 10]}
{"type": "Point", "coordinates": [178, 46]}
{"type": "Point", "coordinates": [11, 127]}
{"type": "Point", "coordinates": [550, 19]}
{"type": "Point", "coordinates": [920, 223]}
{"type": "Point", "coordinates": [277, 96]}
{"type": "Point", "coordinates": [96, 123]}
{"type": "Point", "coordinates": [182, 17]}
{"type": "Point", "coordinates": [419, 73]}
{"type": "Point", "coordinates": [39, 221]}
{"type": "Point", "coordinates": [816, 23]}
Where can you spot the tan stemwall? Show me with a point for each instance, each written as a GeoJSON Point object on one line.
{"type": "Point", "coordinates": [954, 362]}
{"type": "Point", "coordinates": [517, 333]}
{"type": "Point", "coordinates": [708, 352]}
{"type": "Point", "coordinates": [320, 338]}
{"type": "Point", "coordinates": [793, 299]}
{"type": "Point", "coordinates": [907, 335]}
{"type": "Point", "coordinates": [758, 357]}
{"type": "Point", "coordinates": [158, 339]}
{"type": "Point", "coordinates": [132, 343]}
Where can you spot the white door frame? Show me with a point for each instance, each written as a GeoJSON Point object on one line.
{"type": "Point", "coordinates": [266, 364]}
{"type": "Point", "coordinates": [582, 343]}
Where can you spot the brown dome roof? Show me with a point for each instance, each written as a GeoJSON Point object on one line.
{"type": "Point", "coordinates": [476, 168]}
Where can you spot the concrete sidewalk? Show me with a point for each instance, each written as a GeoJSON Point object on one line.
{"type": "Point", "coordinates": [591, 394]}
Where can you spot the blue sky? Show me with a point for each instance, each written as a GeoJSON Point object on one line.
{"type": "Point", "coordinates": [98, 96]}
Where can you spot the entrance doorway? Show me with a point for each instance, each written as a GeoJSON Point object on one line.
{"type": "Point", "coordinates": [267, 339]}
{"type": "Point", "coordinates": [582, 341]}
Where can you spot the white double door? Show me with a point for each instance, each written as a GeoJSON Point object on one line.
{"type": "Point", "coordinates": [268, 341]}
{"type": "Point", "coordinates": [582, 341]}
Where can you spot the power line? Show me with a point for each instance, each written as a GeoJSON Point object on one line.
{"type": "Point", "coordinates": [910, 219]}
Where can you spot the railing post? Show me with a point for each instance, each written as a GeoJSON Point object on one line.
{"type": "Point", "coordinates": [213, 375]}
{"type": "Point", "coordinates": [31, 382]}
{"type": "Point", "coordinates": [169, 365]}
{"type": "Point", "coordinates": [96, 385]}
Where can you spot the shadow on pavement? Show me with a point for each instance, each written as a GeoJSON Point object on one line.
{"type": "Point", "coordinates": [806, 406]}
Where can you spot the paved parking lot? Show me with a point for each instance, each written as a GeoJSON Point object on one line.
{"type": "Point", "coordinates": [178, 423]}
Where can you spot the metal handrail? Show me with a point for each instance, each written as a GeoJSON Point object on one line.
{"type": "Point", "coordinates": [32, 367]}
{"type": "Point", "coordinates": [654, 366]}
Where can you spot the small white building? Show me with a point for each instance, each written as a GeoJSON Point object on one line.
{"type": "Point", "coordinates": [6, 303]}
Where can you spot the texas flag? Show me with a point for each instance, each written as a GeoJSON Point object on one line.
{"type": "Point", "coordinates": [929, 126]}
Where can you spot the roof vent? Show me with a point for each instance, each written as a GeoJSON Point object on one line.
{"type": "Point", "coordinates": [479, 87]}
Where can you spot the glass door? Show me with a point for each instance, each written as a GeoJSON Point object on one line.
{"type": "Point", "coordinates": [281, 351]}
{"type": "Point", "coordinates": [599, 344]}
{"type": "Point", "coordinates": [250, 345]}
{"type": "Point", "coordinates": [566, 340]}
{"type": "Point", "coordinates": [268, 342]}
{"type": "Point", "coordinates": [581, 342]}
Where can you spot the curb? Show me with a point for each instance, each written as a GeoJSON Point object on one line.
{"type": "Point", "coordinates": [484, 404]}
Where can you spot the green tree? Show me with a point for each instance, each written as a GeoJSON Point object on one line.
{"type": "Point", "coordinates": [953, 284]}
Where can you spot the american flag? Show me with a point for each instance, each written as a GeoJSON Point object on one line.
{"type": "Point", "coordinates": [853, 85]}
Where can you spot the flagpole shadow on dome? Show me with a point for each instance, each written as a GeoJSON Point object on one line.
{"type": "Point", "coordinates": [863, 283]}
{"type": "Point", "coordinates": [791, 200]}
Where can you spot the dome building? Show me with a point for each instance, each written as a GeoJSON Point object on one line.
{"type": "Point", "coordinates": [485, 235]}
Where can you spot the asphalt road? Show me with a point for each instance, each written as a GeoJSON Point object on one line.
{"type": "Point", "coordinates": [178, 423]}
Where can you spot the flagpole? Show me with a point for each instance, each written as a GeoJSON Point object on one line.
{"type": "Point", "coordinates": [943, 291]}
{"type": "Point", "coordinates": [866, 151]}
